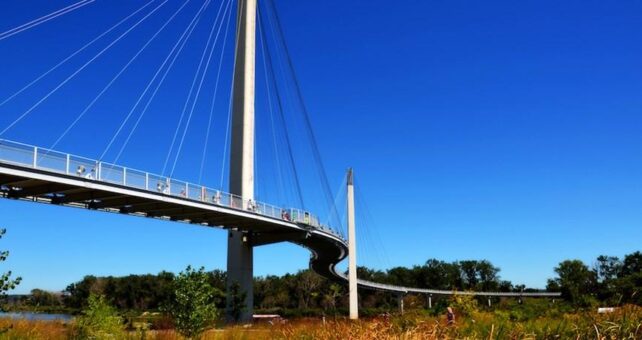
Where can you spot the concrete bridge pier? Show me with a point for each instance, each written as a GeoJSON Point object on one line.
{"type": "Point", "coordinates": [239, 246]}
{"type": "Point", "coordinates": [400, 303]}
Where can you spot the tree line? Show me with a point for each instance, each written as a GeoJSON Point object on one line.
{"type": "Point", "coordinates": [608, 281]}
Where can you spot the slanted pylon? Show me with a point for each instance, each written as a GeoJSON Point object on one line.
{"type": "Point", "coordinates": [240, 267]}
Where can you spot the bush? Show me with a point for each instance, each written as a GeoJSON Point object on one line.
{"type": "Point", "coordinates": [193, 306]}
{"type": "Point", "coordinates": [100, 320]}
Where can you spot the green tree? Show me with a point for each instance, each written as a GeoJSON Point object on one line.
{"type": "Point", "coordinates": [193, 306]}
{"type": "Point", "coordinates": [575, 281]}
{"type": "Point", "coordinates": [100, 320]}
{"type": "Point", "coordinates": [6, 282]}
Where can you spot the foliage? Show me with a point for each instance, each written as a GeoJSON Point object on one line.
{"type": "Point", "coordinates": [575, 281]}
{"type": "Point", "coordinates": [99, 320]}
{"type": "Point", "coordinates": [464, 304]}
{"type": "Point", "coordinates": [6, 282]}
{"type": "Point", "coordinates": [610, 281]}
{"type": "Point", "coordinates": [193, 303]}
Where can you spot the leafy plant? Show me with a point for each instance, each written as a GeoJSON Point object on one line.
{"type": "Point", "coordinates": [6, 283]}
{"type": "Point", "coordinates": [193, 306]}
{"type": "Point", "coordinates": [100, 320]}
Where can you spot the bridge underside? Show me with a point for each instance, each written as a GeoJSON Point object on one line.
{"type": "Point", "coordinates": [68, 190]}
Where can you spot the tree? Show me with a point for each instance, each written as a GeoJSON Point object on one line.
{"type": "Point", "coordinates": [6, 282]}
{"type": "Point", "coordinates": [193, 306]}
{"type": "Point", "coordinates": [100, 320]}
{"type": "Point", "coordinates": [575, 281]}
{"type": "Point", "coordinates": [632, 264]}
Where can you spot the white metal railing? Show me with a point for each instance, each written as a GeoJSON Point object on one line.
{"type": "Point", "coordinates": [68, 164]}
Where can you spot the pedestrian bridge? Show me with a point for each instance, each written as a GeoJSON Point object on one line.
{"type": "Point", "coordinates": [47, 176]}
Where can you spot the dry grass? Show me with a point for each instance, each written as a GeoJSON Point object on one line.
{"type": "Point", "coordinates": [626, 323]}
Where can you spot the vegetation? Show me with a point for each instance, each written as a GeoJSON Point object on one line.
{"type": "Point", "coordinates": [6, 282]}
{"type": "Point", "coordinates": [99, 321]}
{"type": "Point", "coordinates": [608, 282]}
{"type": "Point", "coordinates": [625, 323]}
{"type": "Point", "coordinates": [193, 298]}
{"type": "Point", "coordinates": [193, 303]}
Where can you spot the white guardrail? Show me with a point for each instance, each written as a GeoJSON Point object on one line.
{"type": "Point", "coordinates": [68, 164]}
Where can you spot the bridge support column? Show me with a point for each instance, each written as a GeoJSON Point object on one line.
{"type": "Point", "coordinates": [240, 275]}
{"type": "Point", "coordinates": [400, 302]}
{"type": "Point", "coordinates": [239, 246]}
{"type": "Point", "coordinates": [429, 301]}
{"type": "Point", "coordinates": [352, 252]}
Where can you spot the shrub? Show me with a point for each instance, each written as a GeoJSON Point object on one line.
{"type": "Point", "coordinates": [100, 320]}
{"type": "Point", "coordinates": [193, 306]}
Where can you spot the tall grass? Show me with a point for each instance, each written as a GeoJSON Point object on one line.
{"type": "Point", "coordinates": [625, 323]}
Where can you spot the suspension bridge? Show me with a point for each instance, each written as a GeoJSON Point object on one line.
{"type": "Point", "coordinates": [45, 175]}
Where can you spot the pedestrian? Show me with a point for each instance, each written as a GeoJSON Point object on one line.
{"type": "Point", "coordinates": [450, 316]}
{"type": "Point", "coordinates": [91, 174]}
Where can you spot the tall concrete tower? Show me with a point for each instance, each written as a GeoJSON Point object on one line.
{"type": "Point", "coordinates": [240, 267]}
{"type": "Point", "coordinates": [352, 251]}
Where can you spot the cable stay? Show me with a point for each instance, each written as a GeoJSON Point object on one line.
{"type": "Point", "coordinates": [280, 110]}
{"type": "Point", "coordinates": [279, 38]}
{"type": "Point", "coordinates": [160, 83]}
{"type": "Point", "coordinates": [214, 96]}
{"type": "Point", "coordinates": [140, 98]}
{"type": "Point", "coordinates": [112, 81]}
{"type": "Point", "coordinates": [37, 104]}
{"type": "Point", "coordinates": [36, 22]}
{"type": "Point", "coordinates": [203, 74]}
{"type": "Point", "coordinates": [55, 67]}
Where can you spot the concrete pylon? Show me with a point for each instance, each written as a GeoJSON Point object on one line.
{"type": "Point", "coordinates": [240, 266]}
{"type": "Point", "coordinates": [352, 251]}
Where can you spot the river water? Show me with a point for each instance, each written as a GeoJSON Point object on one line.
{"type": "Point", "coordinates": [36, 316]}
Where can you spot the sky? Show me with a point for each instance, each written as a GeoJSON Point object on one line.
{"type": "Point", "coordinates": [499, 130]}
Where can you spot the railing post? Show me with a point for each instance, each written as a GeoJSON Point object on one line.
{"type": "Point", "coordinates": [186, 190]}
{"type": "Point", "coordinates": [35, 157]}
{"type": "Point", "coordinates": [147, 181]}
{"type": "Point", "coordinates": [124, 176]}
{"type": "Point", "coordinates": [68, 164]}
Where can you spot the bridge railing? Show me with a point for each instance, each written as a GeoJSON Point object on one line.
{"type": "Point", "coordinates": [68, 164]}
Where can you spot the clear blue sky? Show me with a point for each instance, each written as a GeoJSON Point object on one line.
{"type": "Point", "coordinates": [499, 130]}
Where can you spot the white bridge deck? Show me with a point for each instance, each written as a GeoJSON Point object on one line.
{"type": "Point", "coordinates": [40, 175]}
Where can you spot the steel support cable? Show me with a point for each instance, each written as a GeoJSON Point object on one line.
{"type": "Point", "coordinates": [81, 68]}
{"type": "Point", "coordinates": [263, 41]}
{"type": "Point", "coordinates": [43, 19]}
{"type": "Point", "coordinates": [182, 41]}
{"type": "Point", "coordinates": [26, 87]}
{"type": "Point", "coordinates": [281, 114]}
{"type": "Point", "coordinates": [140, 98]}
{"type": "Point", "coordinates": [339, 194]}
{"type": "Point", "coordinates": [221, 15]}
{"type": "Point", "coordinates": [315, 147]}
{"type": "Point", "coordinates": [182, 116]}
{"type": "Point", "coordinates": [110, 83]}
{"type": "Point", "coordinates": [218, 77]}
{"type": "Point", "coordinates": [369, 217]}
{"type": "Point", "coordinates": [230, 106]}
